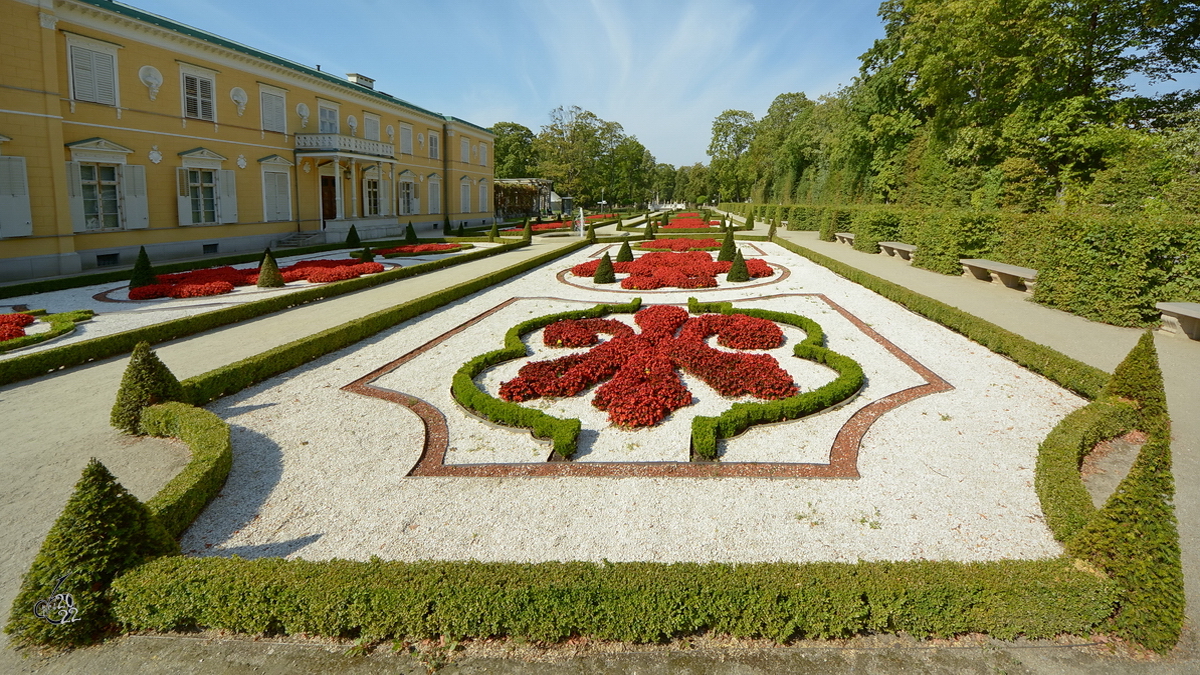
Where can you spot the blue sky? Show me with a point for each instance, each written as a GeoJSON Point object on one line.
{"type": "Point", "coordinates": [663, 69]}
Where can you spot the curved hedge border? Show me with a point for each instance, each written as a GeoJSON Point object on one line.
{"type": "Point", "coordinates": [236, 376]}
{"type": "Point", "coordinates": [33, 365]}
{"type": "Point", "coordinates": [562, 433]}
{"type": "Point", "coordinates": [207, 436]}
{"type": "Point", "coordinates": [1077, 376]}
{"type": "Point", "coordinates": [61, 324]}
{"type": "Point", "coordinates": [706, 431]}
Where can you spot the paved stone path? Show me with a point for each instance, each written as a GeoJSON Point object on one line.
{"type": "Point", "coordinates": [55, 423]}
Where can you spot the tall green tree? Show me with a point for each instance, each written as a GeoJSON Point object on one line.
{"type": "Point", "coordinates": [513, 150]}
{"type": "Point", "coordinates": [732, 133]}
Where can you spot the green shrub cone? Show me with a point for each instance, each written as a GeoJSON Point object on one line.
{"type": "Point", "coordinates": [352, 240]}
{"type": "Point", "coordinates": [410, 235]}
{"type": "Point", "coordinates": [604, 273]}
{"type": "Point", "coordinates": [146, 382]}
{"type": "Point", "coordinates": [728, 248]}
{"type": "Point", "coordinates": [494, 233]}
{"type": "Point", "coordinates": [1139, 377]}
{"type": "Point", "coordinates": [102, 531]}
{"type": "Point", "coordinates": [591, 232]}
{"type": "Point", "coordinates": [738, 271]}
{"type": "Point", "coordinates": [268, 272]}
{"type": "Point", "coordinates": [366, 255]}
{"type": "Point", "coordinates": [446, 226]}
{"type": "Point", "coordinates": [750, 221]}
{"type": "Point", "coordinates": [462, 230]}
{"type": "Point", "coordinates": [771, 230]}
{"type": "Point", "coordinates": [143, 273]}
{"type": "Point", "coordinates": [625, 254]}
{"type": "Point", "coordinates": [527, 234]}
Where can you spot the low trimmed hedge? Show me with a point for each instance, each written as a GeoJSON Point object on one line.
{"type": "Point", "coordinates": [60, 324]}
{"type": "Point", "coordinates": [207, 436]}
{"type": "Point", "coordinates": [37, 364]}
{"type": "Point", "coordinates": [563, 434]}
{"type": "Point", "coordinates": [236, 376]}
{"type": "Point", "coordinates": [635, 602]}
{"type": "Point", "coordinates": [707, 431]}
{"type": "Point", "coordinates": [1077, 376]}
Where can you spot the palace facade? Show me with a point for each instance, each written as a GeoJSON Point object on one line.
{"type": "Point", "coordinates": [120, 128]}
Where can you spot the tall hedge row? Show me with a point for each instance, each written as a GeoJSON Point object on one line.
{"type": "Point", "coordinates": [1099, 265]}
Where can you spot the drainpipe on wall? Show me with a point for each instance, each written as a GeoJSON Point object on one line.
{"type": "Point", "coordinates": [445, 150]}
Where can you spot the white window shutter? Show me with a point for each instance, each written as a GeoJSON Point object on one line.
{"type": "Point", "coordinates": [273, 114]}
{"type": "Point", "coordinates": [277, 202]}
{"type": "Point", "coordinates": [283, 195]}
{"type": "Point", "coordinates": [104, 69]}
{"type": "Point", "coordinates": [75, 197]}
{"type": "Point", "coordinates": [83, 75]}
{"type": "Point", "coordinates": [16, 218]}
{"type": "Point", "coordinates": [227, 206]}
{"type": "Point", "coordinates": [184, 201]}
{"type": "Point", "coordinates": [135, 208]}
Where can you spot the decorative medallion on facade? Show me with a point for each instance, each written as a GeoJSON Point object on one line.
{"type": "Point", "coordinates": [241, 161]}
{"type": "Point", "coordinates": [303, 112]}
{"type": "Point", "coordinates": [239, 96]}
{"type": "Point", "coordinates": [352, 122]}
{"type": "Point", "coordinates": [152, 78]}
{"type": "Point", "coordinates": [154, 155]}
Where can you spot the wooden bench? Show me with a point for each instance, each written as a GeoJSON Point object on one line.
{"type": "Point", "coordinates": [1013, 276]}
{"type": "Point", "coordinates": [1181, 318]}
{"type": "Point", "coordinates": [845, 237]}
{"type": "Point", "coordinates": [898, 248]}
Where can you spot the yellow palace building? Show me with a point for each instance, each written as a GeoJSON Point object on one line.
{"type": "Point", "coordinates": [120, 128]}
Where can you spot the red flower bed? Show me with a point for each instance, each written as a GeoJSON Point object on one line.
{"type": "Point", "coordinates": [682, 223]}
{"type": "Point", "coordinates": [542, 227]}
{"type": "Point", "coordinates": [666, 269]}
{"type": "Point", "coordinates": [10, 331]}
{"type": "Point", "coordinates": [602, 216]}
{"type": "Point", "coordinates": [17, 319]}
{"type": "Point", "coordinates": [220, 280]}
{"type": "Point", "coordinates": [420, 248]}
{"type": "Point", "coordinates": [643, 385]}
{"type": "Point", "coordinates": [681, 244]}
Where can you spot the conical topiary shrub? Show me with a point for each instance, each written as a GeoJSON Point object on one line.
{"type": "Point", "coordinates": [268, 272]}
{"type": "Point", "coordinates": [1138, 378]}
{"type": "Point", "coordinates": [494, 233]}
{"type": "Point", "coordinates": [750, 221]}
{"type": "Point", "coordinates": [771, 230]}
{"type": "Point", "coordinates": [738, 271]}
{"type": "Point", "coordinates": [462, 230]}
{"type": "Point", "coordinates": [446, 226]}
{"type": "Point", "coordinates": [352, 240]}
{"type": "Point", "coordinates": [143, 273]}
{"type": "Point", "coordinates": [146, 382]}
{"type": "Point", "coordinates": [367, 255]}
{"type": "Point", "coordinates": [410, 235]}
{"type": "Point", "coordinates": [591, 233]}
{"type": "Point", "coordinates": [527, 234]}
{"type": "Point", "coordinates": [102, 532]}
{"type": "Point", "coordinates": [604, 273]}
{"type": "Point", "coordinates": [728, 248]}
{"type": "Point", "coordinates": [625, 254]}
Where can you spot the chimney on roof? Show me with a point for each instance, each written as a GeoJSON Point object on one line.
{"type": "Point", "coordinates": [361, 80]}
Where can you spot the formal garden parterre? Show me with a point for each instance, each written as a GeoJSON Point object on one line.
{"type": "Point", "coordinates": [898, 510]}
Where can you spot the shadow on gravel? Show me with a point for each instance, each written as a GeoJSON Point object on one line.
{"type": "Point", "coordinates": [277, 549]}
{"type": "Point", "coordinates": [257, 468]}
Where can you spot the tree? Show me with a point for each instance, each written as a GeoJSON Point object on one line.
{"type": "Point", "coordinates": [625, 254]}
{"type": "Point", "coordinates": [143, 273]}
{"type": "Point", "coordinates": [737, 271]}
{"type": "Point", "coordinates": [732, 132]}
{"type": "Point", "coordinates": [103, 531]}
{"type": "Point", "coordinates": [513, 150]}
{"type": "Point", "coordinates": [268, 272]}
{"type": "Point", "coordinates": [352, 240]}
{"type": "Point", "coordinates": [494, 233]}
{"type": "Point", "coordinates": [146, 382]}
{"type": "Point", "coordinates": [604, 272]}
{"type": "Point", "coordinates": [366, 255]}
{"type": "Point", "coordinates": [410, 235]}
{"type": "Point", "coordinates": [728, 248]}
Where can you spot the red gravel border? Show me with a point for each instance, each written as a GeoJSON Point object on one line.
{"type": "Point", "coordinates": [843, 455]}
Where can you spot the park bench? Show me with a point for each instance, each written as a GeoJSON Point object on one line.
{"type": "Point", "coordinates": [898, 248]}
{"type": "Point", "coordinates": [845, 237]}
{"type": "Point", "coordinates": [1181, 318]}
{"type": "Point", "coordinates": [1013, 276]}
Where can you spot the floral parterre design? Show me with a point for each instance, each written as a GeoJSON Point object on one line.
{"type": "Point", "coordinates": [643, 385]}
{"type": "Point", "coordinates": [12, 326]}
{"type": "Point", "coordinates": [661, 269]}
{"type": "Point", "coordinates": [690, 223]}
{"type": "Point", "coordinates": [680, 244]}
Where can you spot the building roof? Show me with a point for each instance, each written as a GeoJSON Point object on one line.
{"type": "Point", "coordinates": [212, 38]}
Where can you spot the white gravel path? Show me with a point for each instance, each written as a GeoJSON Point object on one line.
{"type": "Point", "coordinates": [321, 473]}
{"type": "Point", "coordinates": [115, 317]}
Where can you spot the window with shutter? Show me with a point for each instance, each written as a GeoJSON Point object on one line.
{"type": "Point", "coordinates": [16, 218]}
{"type": "Point", "coordinates": [464, 197]}
{"type": "Point", "coordinates": [277, 198]}
{"type": "Point", "coordinates": [370, 127]}
{"type": "Point", "coordinates": [483, 200]}
{"type": "Point", "coordinates": [433, 146]}
{"type": "Point", "coordinates": [482, 154]}
{"type": "Point", "coordinates": [464, 150]}
{"type": "Point", "coordinates": [406, 198]}
{"type": "Point", "coordinates": [198, 100]}
{"type": "Point", "coordinates": [328, 122]}
{"type": "Point", "coordinates": [406, 140]}
{"type": "Point", "coordinates": [435, 197]}
{"type": "Point", "coordinates": [274, 117]}
{"type": "Point", "coordinates": [93, 75]}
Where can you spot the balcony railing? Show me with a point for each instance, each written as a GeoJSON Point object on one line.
{"type": "Point", "coordinates": [340, 143]}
